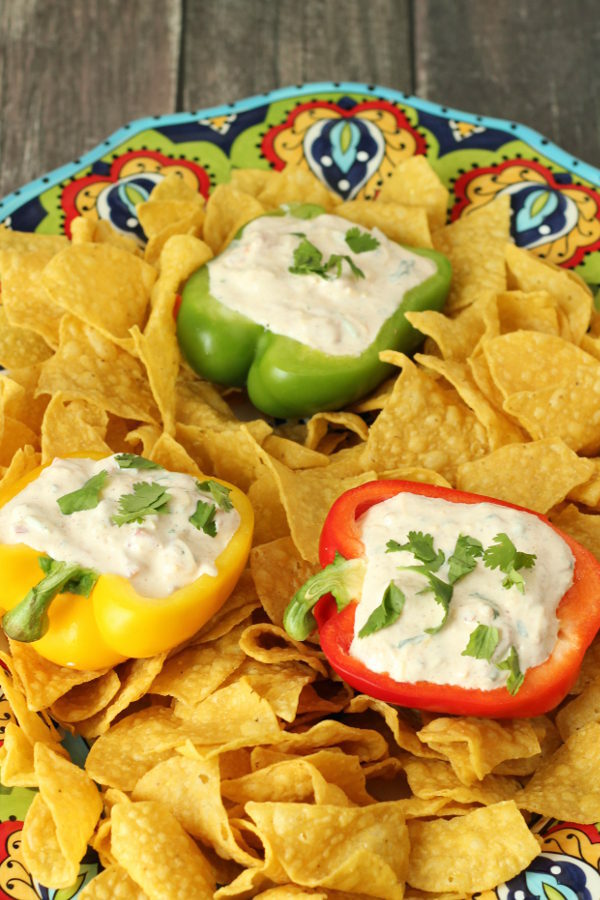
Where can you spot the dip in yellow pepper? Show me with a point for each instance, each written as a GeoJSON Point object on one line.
{"type": "Point", "coordinates": [80, 603]}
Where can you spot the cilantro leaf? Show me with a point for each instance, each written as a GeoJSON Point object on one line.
{"type": "Point", "coordinates": [308, 260]}
{"type": "Point", "coordinates": [217, 491]}
{"type": "Point", "coordinates": [203, 518]}
{"type": "Point", "coordinates": [386, 613]}
{"type": "Point", "coordinates": [358, 273]}
{"type": "Point", "coordinates": [516, 677]}
{"type": "Point", "coordinates": [131, 461]}
{"type": "Point", "coordinates": [442, 593]}
{"type": "Point", "coordinates": [28, 620]}
{"type": "Point", "coordinates": [483, 640]}
{"type": "Point", "coordinates": [148, 499]}
{"type": "Point", "coordinates": [421, 546]}
{"type": "Point", "coordinates": [86, 497]}
{"type": "Point", "coordinates": [504, 555]}
{"type": "Point", "coordinates": [464, 557]}
{"type": "Point", "coordinates": [360, 241]}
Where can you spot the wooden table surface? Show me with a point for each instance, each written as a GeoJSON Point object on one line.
{"type": "Point", "coordinates": [72, 71]}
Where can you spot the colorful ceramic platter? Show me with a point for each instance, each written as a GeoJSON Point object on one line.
{"type": "Point", "coordinates": [350, 136]}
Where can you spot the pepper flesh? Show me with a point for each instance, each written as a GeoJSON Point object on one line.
{"type": "Point", "coordinates": [115, 621]}
{"type": "Point", "coordinates": [544, 686]}
{"type": "Point", "coordinates": [284, 377]}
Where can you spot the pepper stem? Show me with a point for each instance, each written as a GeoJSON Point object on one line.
{"type": "Point", "coordinates": [28, 620]}
{"type": "Point", "coordinates": [343, 578]}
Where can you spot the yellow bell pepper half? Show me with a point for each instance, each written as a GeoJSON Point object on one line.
{"type": "Point", "coordinates": [115, 622]}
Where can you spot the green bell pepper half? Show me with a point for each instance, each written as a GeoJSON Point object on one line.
{"type": "Point", "coordinates": [285, 378]}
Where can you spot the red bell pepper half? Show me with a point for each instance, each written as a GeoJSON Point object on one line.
{"type": "Point", "coordinates": [544, 686]}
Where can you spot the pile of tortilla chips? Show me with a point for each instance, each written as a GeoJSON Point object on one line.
{"type": "Point", "coordinates": [238, 766]}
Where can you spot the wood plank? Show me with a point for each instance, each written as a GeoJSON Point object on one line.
{"type": "Point", "coordinates": [235, 48]}
{"type": "Point", "coordinates": [71, 73]}
{"type": "Point", "coordinates": [533, 62]}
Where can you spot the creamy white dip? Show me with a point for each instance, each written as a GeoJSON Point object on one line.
{"type": "Point", "coordinates": [340, 316]}
{"type": "Point", "coordinates": [158, 555]}
{"type": "Point", "coordinates": [526, 621]}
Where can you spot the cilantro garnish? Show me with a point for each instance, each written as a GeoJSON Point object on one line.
{"type": "Point", "coordinates": [218, 492]}
{"type": "Point", "coordinates": [516, 677]}
{"type": "Point", "coordinates": [86, 497]}
{"type": "Point", "coordinates": [386, 613]}
{"type": "Point", "coordinates": [308, 260]}
{"type": "Point", "coordinates": [442, 594]}
{"type": "Point", "coordinates": [421, 546]}
{"type": "Point", "coordinates": [28, 620]}
{"type": "Point", "coordinates": [148, 499]}
{"type": "Point", "coordinates": [203, 518]}
{"type": "Point", "coordinates": [360, 241]}
{"type": "Point", "coordinates": [464, 557]}
{"type": "Point", "coordinates": [503, 555]}
{"type": "Point", "coordinates": [131, 461]}
{"type": "Point", "coordinates": [482, 642]}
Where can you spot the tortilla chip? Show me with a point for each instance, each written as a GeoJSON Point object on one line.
{"type": "Point", "coordinates": [120, 283]}
{"type": "Point", "coordinates": [572, 296]}
{"type": "Point", "coordinates": [403, 224]}
{"type": "Point", "coordinates": [475, 747]}
{"type": "Point", "coordinates": [424, 424]}
{"type": "Point", "coordinates": [89, 366]}
{"type": "Point", "coordinates": [146, 833]}
{"type": "Point", "coordinates": [55, 859]}
{"type": "Point", "coordinates": [548, 471]}
{"type": "Point", "coordinates": [475, 245]}
{"type": "Point", "coordinates": [354, 837]}
{"type": "Point", "coordinates": [565, 786]}
{"type": "Point", "coordinates": [414, 183]}
{"type": "Point", "coordinates": [482, 849]}
{"type": "Point", "coordinates": [73, 426]}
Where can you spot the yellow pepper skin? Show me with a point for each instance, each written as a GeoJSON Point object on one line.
{"type": "Point", "coordinates": [115, 622]}
{"type": "Point", "coordinates": [73, 638]}
{"type": "Point", "coordinates": [142, 626]}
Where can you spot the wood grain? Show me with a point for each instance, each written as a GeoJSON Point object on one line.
{"type": "Point", "coordinates": [235, 48]}
{"type": "Point", "coordinates": [534, 62]}
{"type": "Point", "coordinates": [72, 72]}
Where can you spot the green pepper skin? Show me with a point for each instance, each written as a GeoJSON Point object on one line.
{"type": "Point", "coordinates": [284, 378]}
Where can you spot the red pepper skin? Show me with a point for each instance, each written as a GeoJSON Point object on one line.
{"type": "Point", "coordinates": [544, 686]}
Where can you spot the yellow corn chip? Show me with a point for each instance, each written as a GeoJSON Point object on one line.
{"type": "Point", "coordinates": [475, 245]}
{"type": "Point", "coordinates": [55, 859]}
{"type": "Point", "coordinates": [414, 183]}
{"type": "Point", "coordinates": [482, 849]}
{"type": "Point", "coordinates": [144, 834]}
{"type": "Point", "coordinates": [571, 294]}
{"type": "Point", "coordinates": [354, 838]}
{"type": "Point", "coordinates": [121, 285]}
{"type": "Point", "coordinates": [24, 297]}
{"type": "Point", "coordinates": [191, 789]}
{"type": "Point", "coordinates": [565, 786]}
{"type": "Point", "coordinates": [424, 424]}
{"type": "Point", "coordinates": [548, 471]}
{"type": "Point", "coordinates": [86, 700]}
{"type": "Point", "coordinates": [403, 224]}
{"type": "Point", "coordinates": [113, 883]}
{"type": "Point", "coordinates": [73, 426]}
{"type": "Point", "coordinates": [475, 747]}
{"type": "Point", "coordinates": [89, 366]}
